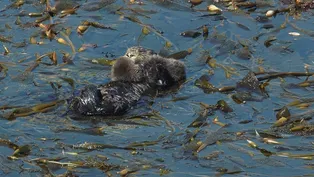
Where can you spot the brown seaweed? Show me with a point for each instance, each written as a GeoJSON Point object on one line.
{"type": "Point", "coordinates": [249, 83]}
{"type": "Point", "coordinates": [205, 85]}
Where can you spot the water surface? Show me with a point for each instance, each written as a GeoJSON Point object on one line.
{"type": "Point", "coordinates": [172, 151]}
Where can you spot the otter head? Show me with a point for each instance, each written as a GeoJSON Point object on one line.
{"type": "Point", "coordinates": [138, 53]}
{"type": "Point", "coordinates": [125, 69]}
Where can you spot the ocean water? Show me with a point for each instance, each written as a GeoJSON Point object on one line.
{"type": "Point", "coordinates": [170, 145]}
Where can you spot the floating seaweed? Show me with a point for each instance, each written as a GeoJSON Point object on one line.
{"type": "Point", "coordinates": [180, 54]}
{"type": "Point", "coordinates": [192, 34]}
{"type": "Point", "coordinates": [203, 83]}
{"type": "Point", "coordinates": [138, 143]}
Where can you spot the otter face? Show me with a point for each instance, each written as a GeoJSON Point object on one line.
{"type": "Point", "coordinates": [137, 53]}
{"type": "Point", "coordinates": [131, 55]}
{"type": "Point", "coordinates": [125, 69]}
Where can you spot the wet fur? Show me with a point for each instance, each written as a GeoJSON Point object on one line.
{"type": "Point", "coordinates": [154, 69]}
{"type": "Point", "coordinates": [125, 69]}
{"type": "Point", "coordinates": [111, 99]}
{"type": "Point", "coordinates": [131, 79]}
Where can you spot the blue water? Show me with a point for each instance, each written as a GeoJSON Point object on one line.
{"type": "Point", "coordinates": [172, 20]}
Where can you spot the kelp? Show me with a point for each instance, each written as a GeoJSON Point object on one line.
{"type": "Point", "coordinates": [276, 30]}
{"type": "Point", "coordinates": [268, 41]}
{"type": "Point", "coordinates": [97, 146]}
{"type": "Point", "coordinates": [223, 106]}
{"type": "Point", "coordinates": [102, 61]}
{"type": "Point", "coordinates": [242, 97]}
{"type": "Point", "coordinates": [213, 155]}
{"type": "Point", "coordinates": [195, 2]}
{"type": "Point", "coordinates": [144, 33]}
{"type": "Point", "coordinates": [90, 131]}
{"type": "Point", "coordinates": [27, 72]}
{"type": "Point", "coordinates": [3, 71]}
{"type": "Point", "coordinates": [5, 39]}
{"type": "Point", "coordinates": [96, 25]}
{"type": "Point", "coordinates": [244, 53]}
{"type": "Point", "coordinates": [70, 81]}
{"type": "Point", "coordinates": [214, 137]}
{"type": "Point", "coordinates": [262, 151]}
{"type": "Point", "coordinates": [280, 154]}
{"type": "Point", "coordinates": [192, 34]}
{"type": "Point", "coordinates": [249, 83]}
{"type": "Point", "coordinates": [300, 128]}
{"type": "Point", "coordinates": [62, 5]}
{"type": "Point", "coordinates": [252, 83]}
{"type": "Point", "coordinates": [201, 120]}
{"type": "Point", "coordinates": [301, 102]}
{"type": "Point", "coordinates": [142, 144]}
{"type": "Point", "coordinates": [19, 151]}
{"type": "Point", "coordinates": [205, 85]}
{"type": "Point", "coordinates": [22, 151]}
{"type": "Point", "coordinates": [26, 111]}
{"type": "Point", "coordinates": [178, 5]}
{"type": "Point", "coordinates": [147, 27]}
{"type": "Point", "coordinates": [4, 142]}
{"type": "Point", "coordinates": [268, 26]}
{"type": "Point", "coordinates": [229, 71]}
{"type": "Point", "coordinates": [97, 5]}
{"type": "Point", "coordinates": [206, 110]}
{"type": "Point", "coordinates": [181, 54]}
{"type": "Point", "coordinates": [189, 138]}
{"type": "Point", "coordinates": [16, 4]}
{"type": "Point", "coordinates": [141, 11]}
{"type": "Point", "coordinates": [240, 149]}
{"type": "Point", "coordinates": [283, 112]}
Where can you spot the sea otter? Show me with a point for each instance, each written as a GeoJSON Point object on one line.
{"type": "Point", "coordinates": [111, 99]}
{"type": "Point", "coordinates": [144, 74]}
{"type": "Point", "coordinates": [139, 64]}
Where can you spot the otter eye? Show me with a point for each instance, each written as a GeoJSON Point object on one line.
{"type": "Point", "coordinates": [130, 55]}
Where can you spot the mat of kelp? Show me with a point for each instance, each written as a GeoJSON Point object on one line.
{"type": "Point", "coordinates": [245, 109]}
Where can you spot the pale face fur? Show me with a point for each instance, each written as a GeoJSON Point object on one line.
{"type": "Point", "coordinates": [137, 53]}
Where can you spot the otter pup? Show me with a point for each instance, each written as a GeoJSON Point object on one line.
{"type": "Point", "coordinates": [112, 99]}
{"type": "Point", "coordinates": [125, 69]}
{"type": "Point", "coordinates": [153, 69]}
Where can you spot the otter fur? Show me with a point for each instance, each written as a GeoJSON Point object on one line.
{"type": "Point", "coordinates": [112, 99]}
{"type": "Point", "coordinates": [154, 69]}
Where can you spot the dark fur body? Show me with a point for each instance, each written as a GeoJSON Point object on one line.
{"type": "Point", "coordinates": [132, 78]}
{"type": "Point", "coordinates": [111, 99]}
{"type": "Point", "coordinates": [160, 73]}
